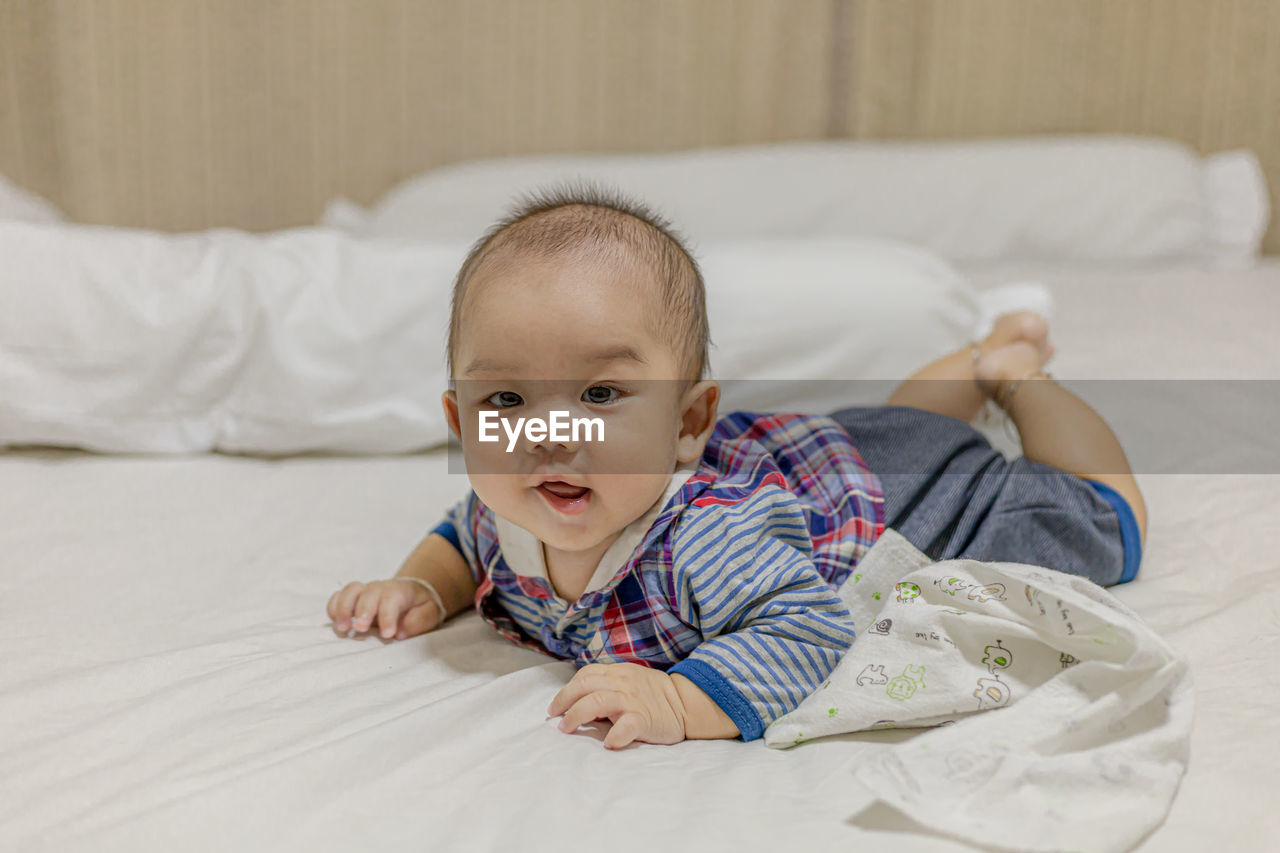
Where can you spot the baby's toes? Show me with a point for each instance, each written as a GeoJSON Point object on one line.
{"type": "Point", "coordinates": [1007, 362]}
{"type": "Point", "coordinates": [1019, 326]}
{"type": "Point", "coordinates": [1032, 328]}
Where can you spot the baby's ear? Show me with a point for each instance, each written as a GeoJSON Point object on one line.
{"type": "Point", "coordinates": [697, 419]}
{"type": "Point", "coordinates": [449, 399]}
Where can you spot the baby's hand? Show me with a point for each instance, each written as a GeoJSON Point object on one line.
{"type": "Point", "coordinates": [642, 703]}
{"type": "Point", "coordinates": [401, 609]}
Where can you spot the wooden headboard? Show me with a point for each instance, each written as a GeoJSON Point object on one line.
{"type": "Point", "coordinates": [186, 114]}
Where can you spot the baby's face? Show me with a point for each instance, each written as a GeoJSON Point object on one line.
{"type": "Point", "coordinates": [544, 335]}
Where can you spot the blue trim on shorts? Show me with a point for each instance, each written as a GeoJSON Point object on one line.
{"type": "Point", "coordinates": [448, 531]}
{"type": "Point", "coordinates": [1129, 533]}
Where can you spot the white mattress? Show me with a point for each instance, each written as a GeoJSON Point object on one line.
{"type": "Point", "coordinates": [168, 679]}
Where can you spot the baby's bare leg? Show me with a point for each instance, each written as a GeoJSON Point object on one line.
{"type": "Point", "coordinates": [1056, 426]}
{"type": "Point", "coordinates": [947, 386]}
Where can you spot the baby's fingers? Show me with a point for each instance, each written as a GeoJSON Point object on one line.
{"type": "Point", "coordinates": [366, 607]}
{"type": "Point", "coordinates": [628, 728]}
{"type": "Point", "coordinates": [593, 676]}
{"type": "Point", "coordinates": [393, 601]}
{"type": "Point", "coordinates": [600, 705]}
{"type": "Point", "coordinates": [419, 620]}
{"type": "Point", "coordinates": [342, 603]}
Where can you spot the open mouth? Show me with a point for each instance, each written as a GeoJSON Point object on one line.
{"type": "Point", "coordinates": [564, 497]}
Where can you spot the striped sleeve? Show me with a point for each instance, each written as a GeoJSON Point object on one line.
{"type": "Point", "coordinates": [459, 527]}
{"type": "Point", "coordinates": [773, 629]}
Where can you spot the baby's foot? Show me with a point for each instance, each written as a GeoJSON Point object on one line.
{"type": "Point", "coordinates": [1007, 363]}
{"type": "Point", "coordinates": [1020, 326]}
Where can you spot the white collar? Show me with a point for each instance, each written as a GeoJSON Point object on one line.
{"type": "Point", "coordinates": [523, 554]}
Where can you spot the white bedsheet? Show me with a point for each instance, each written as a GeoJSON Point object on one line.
{"type": "Point", "coordinates": [168, 679]}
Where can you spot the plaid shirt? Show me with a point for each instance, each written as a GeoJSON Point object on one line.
{"type": "Point", "coordinates": [732, 586]}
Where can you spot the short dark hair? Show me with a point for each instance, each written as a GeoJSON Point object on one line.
{"type": "Point", "coordinates": [569, 218]}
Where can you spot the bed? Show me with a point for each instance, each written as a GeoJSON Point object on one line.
{"type": "Point", "coordinates": [169, 679]}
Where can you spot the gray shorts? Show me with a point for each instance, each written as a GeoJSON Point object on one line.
{"type": "Point", "coordinates": [951, 494]}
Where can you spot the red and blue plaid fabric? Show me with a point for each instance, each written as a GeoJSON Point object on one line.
{"type": "Point", "coordinates": [733, 586]}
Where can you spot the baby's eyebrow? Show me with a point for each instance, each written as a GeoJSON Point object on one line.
{"type": "Point", "coordinates": [486, 365]}
{"type": "Point", "coordinates": [622, 352]}
{"type": "Point", "coordinates": [619, 353]}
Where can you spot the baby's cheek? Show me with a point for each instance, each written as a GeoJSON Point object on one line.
{"type": "Point", "coordinates": [629, 495]}
{"type": "Point", "coordinates": [489, 457]}
{"type": "Point", "coordinates": [631, 451]}
{"type": "Point", "coordinates": [499, 492]}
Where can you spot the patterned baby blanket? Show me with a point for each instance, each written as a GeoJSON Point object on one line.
{"type": "Point", "coordinates": [1056, 719]}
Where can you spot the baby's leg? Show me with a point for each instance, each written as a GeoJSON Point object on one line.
{"type": "Point", "coordinates": [947, 386]}
{"type": "Point", "coordinates": [1057, 427]}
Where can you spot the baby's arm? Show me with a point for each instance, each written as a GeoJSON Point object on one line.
{"type": "Point", "coordinates": [403, 608]}
{"type": "Point", "coordinates": [436, 561]}
{"type": "Point", "coordinates": [704, 719]}
{"type": "Point", "coordinates": [775, 629]}
{"type": "Point", "coordinates": [644, 704]}
{"type": "Point", "coordinates": [771, 655]}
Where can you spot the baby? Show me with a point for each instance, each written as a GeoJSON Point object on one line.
{"type": "Point", "coordinates": [688, 563]}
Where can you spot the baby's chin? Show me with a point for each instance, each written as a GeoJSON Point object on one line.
{"type": "Point", "coordinates": [576, 534]}
{"type": "Point", "coordinates": [584, 539]}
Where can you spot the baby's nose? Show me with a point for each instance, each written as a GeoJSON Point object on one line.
{"type": "Point", "coordinates": [554, 431]}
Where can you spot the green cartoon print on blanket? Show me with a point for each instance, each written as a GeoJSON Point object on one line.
{"type": "Point", "coordinates": [906, 592]}
{"type": "Point", "coordinates": [974, 591]}
{"type": "Point", "coordinates": [996, 657]}
{"type": "Point", "coordinates": [903, 687]}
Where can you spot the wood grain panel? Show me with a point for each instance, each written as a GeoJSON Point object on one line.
{"type": "Point", "coordinates": [29, 151]}
{"type": "Point", "coordinates": [1204, 73]}
{"type": "Point", "coordinates": [185, 114]}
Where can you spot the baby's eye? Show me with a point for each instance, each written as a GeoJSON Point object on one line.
{"type": "Point", "coordinates": [600, 394]}
{"type": "Point", "coordinates": [504, 399]}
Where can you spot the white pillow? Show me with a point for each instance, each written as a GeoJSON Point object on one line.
{"type": "Point", "coordinates": [20, 205]}
{"type": "Point", "coordinates": [134, 341]}
{"type": "Point", "coordinates": [803, 324]}
{"type": "Point", "coordinates": [1093, 199]}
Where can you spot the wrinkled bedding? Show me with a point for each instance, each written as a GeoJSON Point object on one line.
{"type": "Point", "coordinates": [168, 679]}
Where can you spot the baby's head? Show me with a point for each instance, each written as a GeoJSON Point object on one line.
{"type": "Point", "coordinates": [582, 302]}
